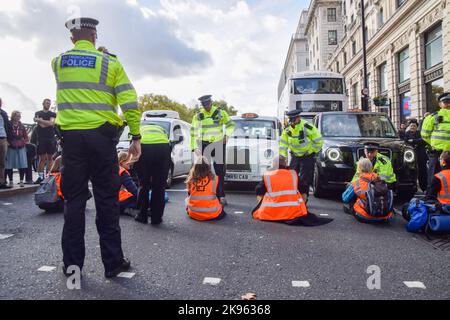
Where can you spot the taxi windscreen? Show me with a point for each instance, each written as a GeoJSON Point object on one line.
{"type": "Point", "coordinates": [357, 126]}
{"type": "Point", "coordinates": [254, 129]}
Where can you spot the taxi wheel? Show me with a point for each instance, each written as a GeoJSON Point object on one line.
{"type": "Point", "coordinates": [169, 178]}
{"type": "Point", "coordinates": [319, 192]}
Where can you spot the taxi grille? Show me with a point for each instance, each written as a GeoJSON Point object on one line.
{"type": "Point", "coordinates": [238, 159]}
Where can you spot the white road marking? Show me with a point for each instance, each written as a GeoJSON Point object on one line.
{"type": "Point", "coordinates": [7, 203]}
{"type": "Point", "coordinates": [5, 236]}
{"type": "Point", "coordinates": [239, 212]}
{"type": "Point", "coordinates": [415, 284]}
{"type": "Point", "coordinates": [211, 281]}
{"type": "Point", "coordinates": [127, 275]}
{"type": "Point", "coordinates": [301, 284]}
{"type": "Point", "coordinates": [46, 269]}
{"type": "Point", "coordinates": [324, 215]}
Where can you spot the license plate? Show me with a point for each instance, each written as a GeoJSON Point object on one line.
{"type": "Point", "coordinates": [238, 176]}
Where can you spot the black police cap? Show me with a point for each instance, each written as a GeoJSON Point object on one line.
{"type": "Point", "coordinates": [444, 97]}
{"type": "Point", "coordinates": [205, 99]}
{"type": "Point", "coordinates": [293, 114]}
{"type": "Point", "coordinates": [371, 146]}
{"type": "Point", "coordinates": [82, 23]}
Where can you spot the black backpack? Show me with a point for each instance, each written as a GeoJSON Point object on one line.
{"type": "Point", "coordinates": [380, 200]}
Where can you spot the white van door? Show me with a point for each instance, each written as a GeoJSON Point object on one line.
{"type": "Point", "coordinates": [187, 153]}
{"type": "Point", "coordinates": [177, 151]}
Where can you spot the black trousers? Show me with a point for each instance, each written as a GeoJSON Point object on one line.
{"type": "Point", "coordinates": [91, 155]}
{"type": "Point", "coordinates": [209, 151]}
{"type": "Point", "coordinates": [434, 166]}
{"type": "Point", "coordinates": [305, 169]}
{"type": "Point", "coordinates": [152, 170]}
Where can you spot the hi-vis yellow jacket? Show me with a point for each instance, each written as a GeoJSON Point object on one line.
{"type": "Point", "coordinates": [90, 85]}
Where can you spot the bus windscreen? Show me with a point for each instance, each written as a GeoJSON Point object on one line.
{"type": "Point", "coordinates": [318, 86]}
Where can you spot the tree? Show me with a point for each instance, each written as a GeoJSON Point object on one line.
{"type": "Point", "coordinates": [160, 102]}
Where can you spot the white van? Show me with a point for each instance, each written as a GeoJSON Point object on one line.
{"type": "Point", "coordinates": [179, 137]}
{"type": "Point", "coordinates": [252, 147]}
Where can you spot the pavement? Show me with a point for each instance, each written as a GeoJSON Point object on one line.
{"type": "Point", "coordinates": [16, 189]}
{"type": "Point", "coordinates": [184, 259]}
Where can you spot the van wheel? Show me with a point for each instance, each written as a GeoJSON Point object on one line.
{"type": "Point", "coordinates": [169, 180]}
{"type": "Point", "coordinates": [319, 192]}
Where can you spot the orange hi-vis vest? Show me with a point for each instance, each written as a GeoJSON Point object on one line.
{"type": "Point", "coordinates": [444, 194]}
{"type": "Point", "coordinates": [360, 187]}
{"type": "Point", "coordinates": [57, 176]}
{"type": "Point", "coordinates": [203, 203]}
{"type": "Point", "coordinates": [282, 201]}
{"type": "Point", "coordinates": [124, 194]}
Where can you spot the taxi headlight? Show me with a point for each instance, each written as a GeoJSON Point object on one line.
{"type": "Point", "coordinates": [409, 156]}
{"type": "Point", "coordinates": [334, 154]}
{"type": "Point", "coordinates": [269, 154]}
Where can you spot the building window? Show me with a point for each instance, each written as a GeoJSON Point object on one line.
{"type": "Point", "coordinates": [382, 78]}
{"type": "Point", "coordinates": [355, 100]}
{"type": "Point", "coordinates": [345, 58]}
{"type": "Point", "coordinates": [433, 47]}
{"type": "Point", "coordinates": [366, 32]}
{"type": "Point", "coordinates": [307, 62]}
{"type": "Point", "coordinates": [337, 67]}
{"type": "Point", "coordinates": [405, 106]}
{"type": "Point", "coordinates": [434, 90]}
{"type": "Point", "coordinates": [353, 48]}
{"type": "Point", "coordinates": [317, 44]}
{"type": "Point", "coordinates": [403, 65]}
{"type": "Point", "coordinates": [332, 37]}
{"type": "Point", "coordinates": [380, 18]}
{"type": "Point", "coordinates": [331, 15]}
{"type": "Point", "coordinates": [400, 2]}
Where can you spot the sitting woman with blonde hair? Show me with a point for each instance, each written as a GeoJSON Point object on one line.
{"type": "Point", "coordinates": [128, 190]}
{"type": "Point", "coordinates": [203, 203]}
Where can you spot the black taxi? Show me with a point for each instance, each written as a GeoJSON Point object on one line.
{"type": "Point", "coordinates": [345, 134]}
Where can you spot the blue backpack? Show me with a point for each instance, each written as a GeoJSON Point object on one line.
{"type": "Point", "coordinates": [418, 215]}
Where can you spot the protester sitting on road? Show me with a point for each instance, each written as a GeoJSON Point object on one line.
{"type": "Point", "coordinates": [356, 195]}
{"type": "Point", "coordinates": [16, 157]}
{"type": "Point", "coordinates": [55, 171]}
{"type": "Point", "coordinates": [128, 190]}
{"type": "Point", "coordinates": [202, 202]}
{"type": "Point", "coordinates": [280, 199]}
{"type": "Point", "coordinates": [439, 189]}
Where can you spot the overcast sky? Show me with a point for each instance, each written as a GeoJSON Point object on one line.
{"type": "Point", "coordinates": [181, 48]}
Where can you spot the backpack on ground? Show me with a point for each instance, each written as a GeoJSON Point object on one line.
{"type": "Point", "coordinates": [47, 194]}
{"type": "Point", "coordinates": [380, 200]}
{"type": "Point", "coordinates": [417, 215]}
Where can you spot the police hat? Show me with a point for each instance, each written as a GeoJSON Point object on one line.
{"type": "Point", "coordinates": [293, 114]}
{"type": "Point", "coordinates": [82, 23]}
{"type": "Point", "coordinates": [205, 99]}
{"type": "Point", "coordinates": [444, 97]}
{"type": "Point", "coordinates": [371, 146]}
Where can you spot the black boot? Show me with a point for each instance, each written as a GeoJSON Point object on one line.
{"type": "Point", "coordinates": [125, 266]}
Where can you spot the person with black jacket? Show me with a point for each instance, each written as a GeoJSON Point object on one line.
{"type": "Point", "coordinates": [5, 135]}
{"type": "Point", "coordinates": [413, 138]}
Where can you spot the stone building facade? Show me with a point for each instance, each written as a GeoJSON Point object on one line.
{"type": "Point", "coordinates": [324, 31]}
{"type": "Point", "coordinates": [406, 45]}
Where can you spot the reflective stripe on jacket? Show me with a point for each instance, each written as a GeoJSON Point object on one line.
{"type": "Point", "coordinates": [203, 203]}
{"type": "Point", "coordinates": [303, 139]}
{"type": "Point", "coordinates": [282, 201]}
{"type": "Point", "coordinates": [209, 126]}
{"type": "Point", "coordinates": [383, 167]}
{"type": "Point", "coordinates": [444, 194]}
{"type": "Point", "coordinates": [153, 134]}
{"type": "Point", "coordinates": [436, 130]}
{"type": "Point", "coordinates": [124, 194]}
{"type": "Point", "coordinates": [90, 85]}
{"type": "Point", "coordinates": [360, 187]}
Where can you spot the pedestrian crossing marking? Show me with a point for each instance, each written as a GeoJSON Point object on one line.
{"type": "Point", "coordinates": [301, 284]}
{"type": "Point", "coordinates": [211, 281]}
{"type": "Point", "coordinates": [5, 236]}
{"type": "Point", "coordinates": [415, 284]}
{"type": "Point", "coordinates": [46, 269]}
{"type": "Point", "coordinates": [127, 275]}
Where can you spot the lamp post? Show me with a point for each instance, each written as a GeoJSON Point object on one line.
{"type": "Point", "coordinates": [365, 91]}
